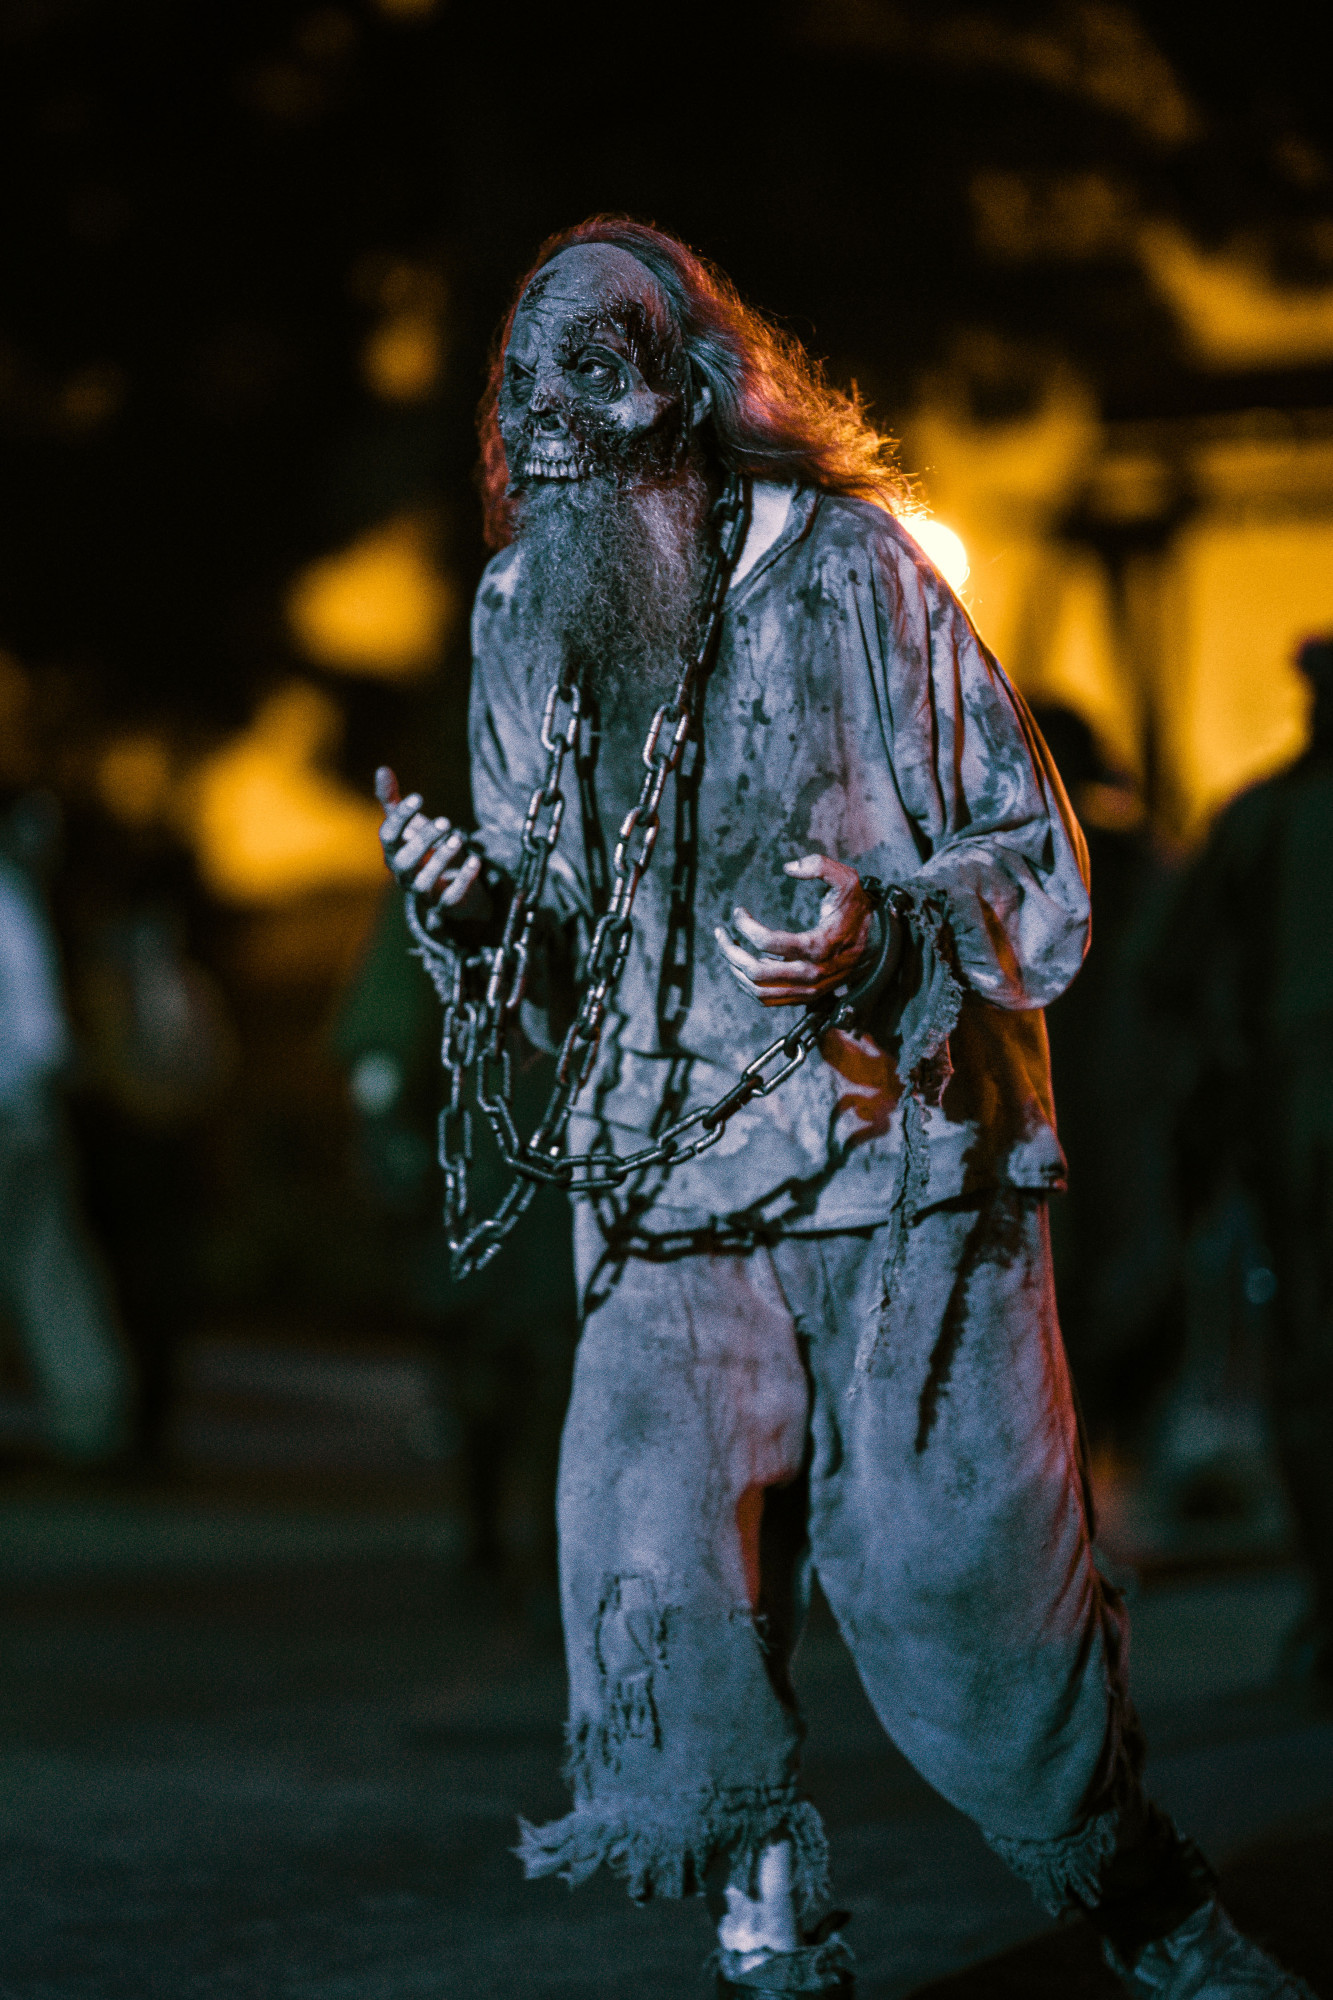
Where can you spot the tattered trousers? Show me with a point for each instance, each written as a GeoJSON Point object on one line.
{"type": "Point", "coordinates": [891, 1408]}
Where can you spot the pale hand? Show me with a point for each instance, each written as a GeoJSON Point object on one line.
{"type": "Point", "coordinates": [428, 855]}
{"type": "Point", "coordinates": [792, 968]}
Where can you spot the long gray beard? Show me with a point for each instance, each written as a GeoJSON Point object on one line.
{"type": "Point", "coordinates": [616, 575]}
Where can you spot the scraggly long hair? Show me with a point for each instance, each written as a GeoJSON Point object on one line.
{"type": "Point", "coordinates": [773, 414]}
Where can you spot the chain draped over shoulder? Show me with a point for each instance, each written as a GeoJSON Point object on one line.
{"type": "Point", "coordinates": [481, 992]}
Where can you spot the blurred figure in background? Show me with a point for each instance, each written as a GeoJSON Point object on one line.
{"type": "Point", "coordinates": [506, 1334]}
{"type": "Point", "coordinates": [1244, 974]}
{"type": "Point", "coordinates": [49, 1280]}
{"type": "Point", "coordinates": [159, 1049]}
{"type": "Point", "coordinates": [1112, 1233]}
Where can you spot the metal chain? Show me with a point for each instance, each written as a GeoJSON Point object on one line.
{"type": "Point", "coordinates": [476, 1028]}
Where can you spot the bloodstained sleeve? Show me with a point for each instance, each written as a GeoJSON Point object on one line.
{"type": "Point", "coordinates": [999, 903]}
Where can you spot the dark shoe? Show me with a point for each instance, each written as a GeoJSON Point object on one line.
{"type": "Point", "coordinates": [1206, 1958]}
{"type": "Point", "coordinates": [820, 1966]}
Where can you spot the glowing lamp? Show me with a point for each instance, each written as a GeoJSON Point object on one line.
{"type": "Point", "coordinates": [942, 545]}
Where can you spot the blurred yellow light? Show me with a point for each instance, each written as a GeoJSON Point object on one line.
{"type": "Point", "coordinates": [941, 544]}
{"type": "Point", "coordinates": [379, 607]}
{"type": "Point", "coordinates": [134, 779]}
{"type": "Point", "coordinates": [1233, 313]}
{"type": "Point", "coordinates": [401, 359]}
{"type": "Point", "coordinates": [1043, 611]}
{"type": "Point", "coordinates": [1252, 591]}
{"type": "Point", "coordinates": [267, 823]}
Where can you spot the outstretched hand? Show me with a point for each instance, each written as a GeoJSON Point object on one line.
{"type": "Point", "coordinates": [792, 968]}
{"type": "Point", "coordinates": [428, 855]}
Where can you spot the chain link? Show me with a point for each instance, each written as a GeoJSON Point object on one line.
{"type": "Point", "coordinates": [474, 1037]}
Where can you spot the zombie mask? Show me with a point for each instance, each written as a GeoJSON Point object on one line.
{"type": "Point", "coordinates": [595, 377]}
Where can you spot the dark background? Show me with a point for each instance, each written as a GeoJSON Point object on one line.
{"type": "Point", "coordinates": [210, 219]}
{"type": "Point", "coordinates": [195, 209]}
{"type": "Point", "coordinates": [209, 216]}
{"type": "Point", "coordinates": [205, 217]}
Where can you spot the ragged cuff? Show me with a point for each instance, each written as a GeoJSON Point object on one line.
{"type": "Point", "coordinates": [666, 1846]}
{"type": "Point", "coordinates": [1065, 1873]}
{"type": "Point", "coordinates": [927, 993]}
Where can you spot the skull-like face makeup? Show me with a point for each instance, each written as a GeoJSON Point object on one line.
{"type": "Point", "coordinates": [611, 506]}
{"type": "Point", "coordinates": [595, 376]}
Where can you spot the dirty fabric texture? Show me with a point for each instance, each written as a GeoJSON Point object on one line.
{"type": "Point", "coordinates": [713, 1456]}
{"type": "Point", "coordinates": [831, 1342]}
{"type": "Point", "coordinates": [851, 711]}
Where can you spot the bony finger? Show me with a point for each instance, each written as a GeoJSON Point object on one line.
{"type": "Point", "coordinates": [771, 972]}
{"type": "Point", "coordinates": [747, 925]}
{"type": "Point", "coordinates": [386, 786]}
{"type": "Point", "coordinates": [462, 881]}
{"type": "Point", "coordinates": [418, 841]}
{"type": "Point", "coordinates": [747, 985]}
{"type": "Point", "coordinates": [795, 972]}
{"type": "Point", "coordinates": [778, 944]}
{"type": "Point", "coordinates": [398, 817]}
{"type": "Point", "coordinates": [741, 960]}
{"type": "Point", "coordinates": [729, 948]}
{"type": "Point", "coordinates": [411, 831]}
{"type": "Point", "coordinates": [440, 862]}
{"type": "Point", "coordinates": [818, 868]}
{"type": "Point", "coordinates": [766, 995]}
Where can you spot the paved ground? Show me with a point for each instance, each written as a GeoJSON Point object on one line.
{"type": "Point", "coordinates": [281, 1756]}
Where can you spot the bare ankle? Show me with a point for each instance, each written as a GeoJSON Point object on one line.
{"type": "Point", "coordinates": [755, 1925]}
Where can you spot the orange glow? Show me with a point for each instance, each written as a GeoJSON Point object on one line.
{"type": "Point", "coordinates": [134, 779]}
{"type": "Point", "coordinates": [1096, 51]}
{"type": "Point", "coordinates": [401, 360]}
{"type": "Point", "coordinates": [1196, 631]}
{"type": "Point", "coordinates": [1081, 664]}
{"type": "Point", "coordinates": [941, 544]}
{"type": "Point", "coordinates": [1251, 592]}
{"type": "Point", "coordinates": [267, 822]}
{"type": "Point", "coordinates": [379, 607]}
{"type": "Point", "coordinates": [1022, 216]}
{"type": "Point", "coordinates": [1232, 312]}
{"type": "Point", "coordinates": [1004, 486]}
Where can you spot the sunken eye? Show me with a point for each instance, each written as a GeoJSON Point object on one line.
{"type": "Point", "coordinates": [601, 373]}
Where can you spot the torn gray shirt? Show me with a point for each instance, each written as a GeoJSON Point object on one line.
{"type": "Point", "coordinates": [851, 711]}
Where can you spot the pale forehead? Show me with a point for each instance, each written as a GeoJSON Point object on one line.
{"type": "Point", "coordinates": [586, 279]}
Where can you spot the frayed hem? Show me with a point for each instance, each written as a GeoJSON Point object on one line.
{"type": "Point", "coordinates": [661, 1856]}
{"type": "Point", "coordinates": [1063, 1874]}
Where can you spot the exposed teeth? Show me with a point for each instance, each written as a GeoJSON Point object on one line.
{"type": "Point", "coordinates": [551, 468]}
